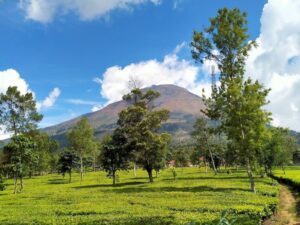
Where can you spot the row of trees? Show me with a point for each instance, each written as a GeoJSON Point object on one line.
{"type": "Point", "coordinates": [136, 140]}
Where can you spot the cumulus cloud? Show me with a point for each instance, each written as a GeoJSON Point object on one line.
{"type": "Point", "coordinates": [171, 70]}
{"type": "Point", "coordinates": [96, 108]}
{"type": "Point", "coordinates": [44, 11]}
{"type": "Point", "coordinates": [50, 100]}
{"type": "Point", "coordinates": [276, 62]}
{"type": "Point", "coordinates": [11, 77]}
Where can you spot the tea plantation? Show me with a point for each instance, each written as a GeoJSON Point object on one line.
{"type": "Point", "coordinates": [292, 173]}
{"type": "Point", "coordinates": [195, 197]}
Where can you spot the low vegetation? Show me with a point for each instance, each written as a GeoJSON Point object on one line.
{"type": "Point", "coordinates": [195, 196]}
{"type": "Point", "coordinates": [289, 175]}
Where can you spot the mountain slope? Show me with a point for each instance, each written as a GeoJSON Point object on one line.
{"type": "Point", "coordinates": [184, 108]}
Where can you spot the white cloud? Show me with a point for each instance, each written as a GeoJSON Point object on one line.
{"type": "Point", "coordinates": [176, 3]}
{"type": "Point", "coordinates": [95, 105]}
{"type": "Point", "coordinates": [171, 70]}
{"type": "Point", "coordinates": [81, 102]}
{"type": "Point", "coordinates": [276, 62]}
{"type": "Point", "coordinates": [11, 77]}
{"type": "Point", "coordinates": [50, 100]}
{"type": "Point", "coordinates": [44, 11]}
{"type": "Point", "coordinates": [96, 108]}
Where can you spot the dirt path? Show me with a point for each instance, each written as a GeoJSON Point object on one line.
{"type": "Point", "coordinates": [288, 209]}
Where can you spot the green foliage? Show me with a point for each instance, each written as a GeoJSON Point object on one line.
{"type": "Point", "coordinates": [225, 41]}
{"type": "Point", "coordinates": [279, 149]}
{"type": "Point", "coordinates": [68, 161]}
{"type": "Point", "coordinates": [140, 125]}
{"type": "Point", "coordinates": [2, 185]}
{"type": "Point", "coordinates": [174, 173]}
{"type": "Point", "coordinates": [113, 155]}
{"type": "Point", "coordinates": [237, 103]}
{"type": "Point", "coordinates": [82, 141]}
{"type": "Point", "coordinates": [18, 113]}
{"type": "Point", "coordinates": [44, 149]}
{"type": "Point", "coordinates": [195, 196]}
{"type": "Point", "coordinates": [181, 157]}
{"type": "Point", "coordinates": [208, 145]}
{"type": "Point", "coordinates": [19, 155]}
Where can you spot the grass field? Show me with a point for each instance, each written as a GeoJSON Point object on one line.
{"type": "Point", "coordinates": [292, 173]}
{"type": "Point", "coordinates": [194, 196]}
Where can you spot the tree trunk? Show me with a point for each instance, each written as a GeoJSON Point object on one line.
{"type": "Point", "coordinates": [81, 169]}
{"type": "Point", "coordinates": [282, 167]}
{"type": "Point", "coordinates": [114, 177]}
{"type": "Point", "coordinates": [134, 169]}
{"type": "Point", "coordinates": [21, 183]}
{"type": "Point", "coordinates": [150, 175]}
{"type": "Point", "coordinates": [250, 175]}
{"type": "Point", "coordinates": [70, 176]}
{"type": "Point", "coordinates": [94, 163]}
{"type": "Point", "coordinates": [15, 183]}
{"type": "Point", "coordinates": [212, 161]}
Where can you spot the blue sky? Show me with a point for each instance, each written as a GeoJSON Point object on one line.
{"type": "Point", "coordinates": [70, 47]}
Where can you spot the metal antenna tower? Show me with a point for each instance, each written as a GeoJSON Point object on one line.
{"type": "Point", "coordinates": [213, 76]}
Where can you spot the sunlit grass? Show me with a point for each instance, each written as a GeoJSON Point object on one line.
{"type": "Point", "coordinates": [194, 196]}
{"type": "Point", "coordinates": [291, 172]}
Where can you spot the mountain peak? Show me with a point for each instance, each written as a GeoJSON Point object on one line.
{"type": "Point", "coordinates": [184, 108]}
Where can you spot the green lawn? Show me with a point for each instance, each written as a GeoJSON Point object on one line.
{"type": "Point", "coordinates": [194, 196]}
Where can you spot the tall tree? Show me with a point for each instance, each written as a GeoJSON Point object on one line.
{"type": "Point", "coordinates": [114, 156]}
{"type": "Point", "coordinates": [279, 149]}
{"type": "Point", "coordinates": [140, 125]}
{"type": "Point", "coordinates": [44, 149]}
{"type": "Point", "coordinates": [19, 154]}
{"type": "Point", "coordinates": [81, 139]}
{"type": "Point", "coordinates": [18, 113]}
{"type": "Point", "coordinates": [203, 139]}
{"type": "Point", "coordinates": [67, 161]}
{"type": "Point", "coordinates": [181, 155]}
{"type": "Point", "coordinates": [236, 103]}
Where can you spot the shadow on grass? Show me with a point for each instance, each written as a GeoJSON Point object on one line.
{"type": "Point", "coordinates": [176, 189]}
{"type": "Point", "coordinates": [216, 177]}
{"type": "Point", "coordinates": [58, 181]}
{"type": "Point", "coordinates": [139, 178]}
{"type": "Point", "coordinates": [109, 185]}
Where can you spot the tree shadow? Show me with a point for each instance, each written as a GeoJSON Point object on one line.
{"type": "Point", "coordinates": [109, 185]}
{"type": "Point", "coordinates": [176, 189]}
{"type": "Point", "coordinates": [58, 181]}
{"type": "Point", "coordinates": [139, 178]}
{"type": "Point", "coordinates": [216, 177]}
